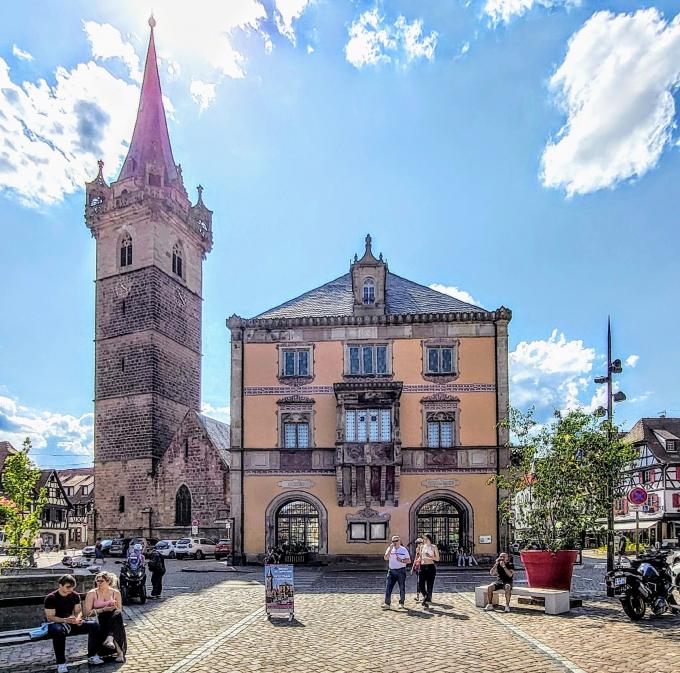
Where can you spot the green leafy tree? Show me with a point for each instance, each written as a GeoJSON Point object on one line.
{"type": "Point", "coordinates": [557, 485]}
{"type": "Point", "coordinates": [22, 504]}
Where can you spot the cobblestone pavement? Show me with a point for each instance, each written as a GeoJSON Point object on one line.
{"type": "Point", "coordinates": [214, 621]}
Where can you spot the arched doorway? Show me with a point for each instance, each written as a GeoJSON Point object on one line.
{"type": "Point", "coordinates": [297, 529]}
{"type": "Point", "coordinates": [446, 523]}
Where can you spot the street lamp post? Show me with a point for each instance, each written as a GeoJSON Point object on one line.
{"type": "Point", "coordinates": [613, 367]}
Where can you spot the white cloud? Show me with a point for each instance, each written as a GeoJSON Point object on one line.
{"type": "Point", "coordinates": [52, 136]}
{"type": "Point", "coordinates": [310, 49]}
{"type": "Point", "coordinates": [550, 373]}
{"type": "Point", "coordinates": [632, 360]}
{"type": "Point", "coordinates": [203, 93]}
{"type": "Point", "coordinates": [453, 291]}
{"type": "Point", "coordinates": [616, 87]}
{"type": "Point", "coordinates": [21, 54]}
{"type": "Point", "coordinates": [373, 41]}
{"type": "Point", "coordinates": [64, 432]}
{"type": "Point", "coordinates": [286, 12]}
{"type": "Point", "coordinates": [502, 11]}
{"type": "Point", "coordinates": [219, 413]}
{"type": "Point", "coordinates": [106, 42]}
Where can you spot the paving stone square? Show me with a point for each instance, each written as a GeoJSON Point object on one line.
{"type": "Point", "coordinates": [215, 621]}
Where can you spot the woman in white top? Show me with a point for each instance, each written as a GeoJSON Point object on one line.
{"type": "Point", "coordinates": [429, 556]}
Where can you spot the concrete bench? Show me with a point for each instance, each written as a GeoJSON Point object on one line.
{"type": "Point", "coordinates": [556, 601]}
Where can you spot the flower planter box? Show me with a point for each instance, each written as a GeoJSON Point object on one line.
{"type": "Point", "coordinates": [548, 569]}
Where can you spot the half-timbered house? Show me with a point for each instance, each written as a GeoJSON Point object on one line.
{"type": "Point", "coordinates": [79, 486]}
{"type": "Point", "coordinates": [657, 470]}
{"type": "Point", "coordinates": [54, 524]}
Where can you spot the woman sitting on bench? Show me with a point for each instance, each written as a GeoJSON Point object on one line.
{"type": "Point", "coordinates": [64, 613]}
{"type": "Point", "coordinates": [104, 602]}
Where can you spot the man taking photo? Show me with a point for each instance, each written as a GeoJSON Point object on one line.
{"type": "Point", "coordinates": [504, 569]}
{"type": "Point", "coordinates": [398, 558]}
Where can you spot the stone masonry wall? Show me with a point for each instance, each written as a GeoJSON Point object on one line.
{"type": "Point", "coordinates": [148, 299]}
{"type": "Point", "coordinates": [203, 472]}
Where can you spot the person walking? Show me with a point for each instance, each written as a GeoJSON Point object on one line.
{"type": "Point", "coordinates": [415, 567]}
{"type": "Point", "coordinates": [397, 557]}
{"type": "Point", "coordinates": [156, 564]}
{"type": "Point", "coordinates": [429, 557]}
{"type": "Point", "coordinates": [64, 614]}
{"type": "Point", "coordinates": [105, 603]}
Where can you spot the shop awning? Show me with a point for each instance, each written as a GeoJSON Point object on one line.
{"type": "Point", "coordinates": [630, 525]}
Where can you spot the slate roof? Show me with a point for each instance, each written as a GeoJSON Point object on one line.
{"type": "Point", "coordinates": [6, 449]}
{"type": "Point", "coordinates": [652, 431]}
{"type": "Point", "coordinates": [402, 297]}
{"type": "Point", "coordinates": [218, 433]}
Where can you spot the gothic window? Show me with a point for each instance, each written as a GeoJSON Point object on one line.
{"type": "Point", "coordinates": [177, 266]}
{"type": "Point", "coordinates": [439, 360]}
{"type": "Point", "coordinates": [126, 250]}
{"type": "Point", "coordinates": [368, 425]}
{"type": "Point", "coordinates": [183, 506]}
{"type": "Point", "coordinates": [440, 430]}
{"type": "Point", "coordinates": [369, 291]}
{"type": "Point", "coordinates": [295, 362]}
{"type": "Point", "coordinates": [367, 360]}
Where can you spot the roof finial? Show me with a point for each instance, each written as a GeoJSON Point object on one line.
{"type": "Point", "coordinates": [368, 242]}
{"type": "Point", "coordinates": [199, 189]}
{"type": "Point", "coordinates": [152, 21]}
{"type": "Point", "coordinates": [100, 163]}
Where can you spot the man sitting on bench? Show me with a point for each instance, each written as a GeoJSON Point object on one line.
{"type": "Point", "coordinates": [64, 613]}
{"type": "Point", "coordinates": [504, 570]}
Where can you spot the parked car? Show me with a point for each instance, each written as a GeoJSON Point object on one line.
{"type": "Point", "coordinates": [166, 548]}
{"type": "Point", "coordinates": [106, 548]}
{"type": "Point", "coordinates": [146, 542]}
{"type": "Point", "coordinates": [198, 547]}
{"type": "Point", "coordinates": [222, 549]}
{"type": "Point", "coordinates": [119, 546]}
{"type": "Point", "coordinates": [76, 560]}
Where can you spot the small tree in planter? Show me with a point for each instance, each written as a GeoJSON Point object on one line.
{"type": "Point", "coordinates": [557, 484]}
{"type": "Point", "coordinates": [20, 507]}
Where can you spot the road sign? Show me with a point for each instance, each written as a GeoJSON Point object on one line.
{"type": "Point", "coordinates": [637, 495]}
{"type": "Point", "coordinates": [194, 522]}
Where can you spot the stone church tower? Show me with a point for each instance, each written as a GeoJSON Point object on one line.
{"type": "Point", "coordinates": [151, 243]}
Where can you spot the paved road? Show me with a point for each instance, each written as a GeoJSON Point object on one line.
{"type": "Point", "coordinates": [214, 621]}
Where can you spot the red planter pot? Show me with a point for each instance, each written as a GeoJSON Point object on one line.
{"type": "Point", "coordinates": [549, 569]}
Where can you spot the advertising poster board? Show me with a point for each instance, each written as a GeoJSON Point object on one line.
{"type": "Point", "coordinates": [279, 586]}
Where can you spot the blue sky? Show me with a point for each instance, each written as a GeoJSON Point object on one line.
{"type": "Point", "coordinates": [516, 152]}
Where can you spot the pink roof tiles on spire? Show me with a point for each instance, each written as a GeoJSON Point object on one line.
{"type": "Point", "coordinates": [150, 138]}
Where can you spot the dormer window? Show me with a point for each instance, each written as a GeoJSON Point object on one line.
{"type": "Point", "coordinates": [671, 446]}
{"type": "Point", "coordinates": [369, 291]}
{"type": "Point", "coordinates": [126, 250]}
{"type": "Point", "coordinates": [177, 267]}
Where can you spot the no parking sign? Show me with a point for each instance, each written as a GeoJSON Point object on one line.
{"type": "Point", "coordinates": [637, 496]}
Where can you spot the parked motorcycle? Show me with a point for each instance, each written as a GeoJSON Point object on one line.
{"type": "Point", "coordinates": [132, 580]}
{"type": "Point", "coordinates": [649, 581]}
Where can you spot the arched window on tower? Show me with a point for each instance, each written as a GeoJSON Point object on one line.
{"type": "Point", "coordinates": [126, 250]}
{"type": "Point", "coordinates": [183, 506]}
{"type": "Point", "coordinates": [369, 291]}
{"type": "Point", "coordinates": [177, 266]}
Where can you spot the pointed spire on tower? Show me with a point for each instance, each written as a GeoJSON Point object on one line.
{"type": "Point", "coordinates": [150, 140]}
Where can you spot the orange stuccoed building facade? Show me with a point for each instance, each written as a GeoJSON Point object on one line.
{"type": "Point", "coordinates": [368, 407]}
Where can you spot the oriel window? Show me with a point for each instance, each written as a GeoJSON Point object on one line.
{"type": "Point", "coordinates": [368, 425]}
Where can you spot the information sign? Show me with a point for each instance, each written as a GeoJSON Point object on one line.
{"type": "Point", "coordinates": [279, 590]}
